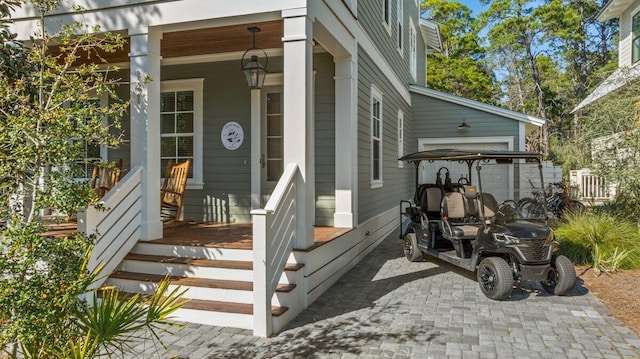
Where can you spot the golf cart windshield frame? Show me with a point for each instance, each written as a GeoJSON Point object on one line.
{"type": "Point", "coordinates": [471, 156]}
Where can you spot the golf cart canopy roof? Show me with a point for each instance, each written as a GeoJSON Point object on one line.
{"type": "Point", "coordinates": [469, 155]}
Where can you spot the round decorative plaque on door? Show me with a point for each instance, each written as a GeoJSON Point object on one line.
{"type": "Point", "coordinates": [232, 135]}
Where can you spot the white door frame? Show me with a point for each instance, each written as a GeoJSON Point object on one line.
{"type": "Point", "coordinates": [257, 134]}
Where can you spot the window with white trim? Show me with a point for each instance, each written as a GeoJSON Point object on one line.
{"type": "Point", "coordinates": [386, 14]}
{"type": "Point", "coordinates": [91, 152]}
{"type": "Point", "coordinates": [635, 33]}
{"type": "Point", "coordinates": [400, 27]}
{"type": "Point", "coordinates": [400, 137]}
{"type": "Point", "coordinates": [376, 137]}
{"type": "Point", "coordinates": [181, 126]}
{"type": "Point", "coordinates": [413, 50]}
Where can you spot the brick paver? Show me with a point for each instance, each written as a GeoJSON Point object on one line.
{"type": "Point", "coordinates": [387, 307]}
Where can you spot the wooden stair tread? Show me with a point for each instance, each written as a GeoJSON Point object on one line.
{"type": "Point", "coordinates": [294, 267]}
{"type": "Point", "coordinates": [204, 262]}
{"type": "Point", "coordinates": [228, 307]}
{"type": "Point", "coordinates": [200, 262]}
{"type": "Point", "coordinates": [215, 306]}
{"type": "Point", "coordinates": [196, 282]}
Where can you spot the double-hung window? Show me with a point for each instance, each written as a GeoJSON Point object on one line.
{"type": "Point", "coordinates": [635, 32]}
{"type": "Point", "coordinates": [90, 153]}
{"type": "Point", "coordinates": [413, 50]}
{"type": "Point", "coordinates": [400, 137]}
{"type": "Point", "coordinates": [386, 14]}
{"type": "Point", "coordinates": [181, 126]}
{"type": "Point", "coordinates": [376, 137]}
{"type": "Point", "coordinates": [400, 35]}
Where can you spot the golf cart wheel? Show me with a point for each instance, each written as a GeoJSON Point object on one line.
{"type": "Point", "coordinates": [411, 250]}
{"type": "Point", "coordinates": [561, 277]}
{"type": "Point", "coordinates": [495, 278]}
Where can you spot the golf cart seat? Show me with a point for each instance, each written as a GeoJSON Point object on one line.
{"type": "Point", "coordinates": [490, 205]}
{"type": "Point", "coordinates": [455, 225]}
{"type": "Point", "coordinates": [429, 197]}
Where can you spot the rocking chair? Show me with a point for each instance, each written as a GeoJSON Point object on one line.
{"type": "Point", "coordinates": [172, 192]}
{"type": "Point", "coordinates": [103, 178]}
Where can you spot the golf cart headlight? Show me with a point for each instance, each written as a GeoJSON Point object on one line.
{"type": "Point", "coordinates": [551, 241]}
{"type": "Point", "coordinates": [504, 238]}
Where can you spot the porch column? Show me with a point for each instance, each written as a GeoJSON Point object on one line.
{"type": "Point", "coordinates": [256, 149]}
{"type": "Point", "coordinates": [145, 123]}
{"type": "Point", "coordinates": [346, 134]}
{"type": "Point", "coordinates": [298, 116]}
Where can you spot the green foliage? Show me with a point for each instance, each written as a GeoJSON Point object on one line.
{"type": "Point", "coordinates": [50, 113]}
{"type": "Point", "coordinates": [42, 278]}
{"type": "Point", "coordinates": [601, 240]}
{"type": "Point", "coordinates": [460, 69]}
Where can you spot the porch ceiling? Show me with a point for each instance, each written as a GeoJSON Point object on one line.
{"type": "Point", "coordinates": [214, 40]}
{"type": "Point", "coordinates": [221, 39]}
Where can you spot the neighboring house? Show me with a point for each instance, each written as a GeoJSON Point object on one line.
{"type": "Point", "coordinates": [320, 145]}
{"type": "Point", "coordinates": [628, 12]}
{"type": "Point", "coordinates": [585, 185]}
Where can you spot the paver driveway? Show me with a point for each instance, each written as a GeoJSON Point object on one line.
{"type": "Point", "coordinates": [388, 307]}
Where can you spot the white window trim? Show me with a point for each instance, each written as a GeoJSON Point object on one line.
{"type": "Point", "coordinates": [400, 27]}
{"type": "Point", "coordinates": [104, 151]}
{"type": "Point", "coordinates": [413, 50]}
{"type": "Point", "coordinates": [377, 95]}
{"type": "Point", "coordinates": [196, 85]}
{"type": "Point", "coordinates": [387, 22]}
{"type": "Point", "coordinates": [400, 137]}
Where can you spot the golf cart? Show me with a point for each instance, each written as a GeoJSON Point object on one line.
{"type": "Point", "coordinates": [473, 221]}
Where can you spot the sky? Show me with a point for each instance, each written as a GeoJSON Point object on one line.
{"type": "Point", "coordinates": [474, 5]}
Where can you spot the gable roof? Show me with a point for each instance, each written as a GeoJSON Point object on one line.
{"type": "Point", "coordinates": [618, 79]}
{"type": "Point", "coordinates": [431, 35]}
{"type": "Point", "coordinates": [613, 9]}
{"type": "Point", "coordinates": [480, 106]}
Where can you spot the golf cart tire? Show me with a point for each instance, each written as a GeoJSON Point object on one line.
{"type": "Point", "coordinates": [411, 250]}
{"type": "Point", "coordinates": [495, 278]}
{"type": "Point", "coordinates": [562, 276]}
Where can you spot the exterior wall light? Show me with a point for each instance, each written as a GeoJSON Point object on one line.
{"type": "Point", "coordinates": [463, 125]}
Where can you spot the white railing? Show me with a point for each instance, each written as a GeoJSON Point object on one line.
{"type": "Point", "coordinates": [588, 187]}
{"type": "Point", "coordinates": [273, 237]}
{"type": "Point", "coordinates": [116, 225]}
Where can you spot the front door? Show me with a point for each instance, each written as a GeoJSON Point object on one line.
{"type": "Point", "coordinates": [272, 158]}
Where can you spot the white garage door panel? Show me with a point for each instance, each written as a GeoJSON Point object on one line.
{"type": "Point", "coordinates": [495, 178]}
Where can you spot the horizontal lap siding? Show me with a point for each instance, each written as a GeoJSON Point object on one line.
{"type": "Point", "coordinates": [434, 118]}
{"type": "Point", "coordinates": [324, 138]}
{"type": "Point", "coordinates": [398, 182]}
{"type": "Point", "coordinates": [226, 195]}
{"type": "Point", "coordinates": [370, 17]}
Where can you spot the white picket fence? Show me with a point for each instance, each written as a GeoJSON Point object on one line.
{"type": "Point", "coordinates": [588, 187]}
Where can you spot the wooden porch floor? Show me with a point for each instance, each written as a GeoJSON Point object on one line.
{"type": "Point", "coordinates": [218, 235]}
{"type": "Point", "coordinates": [230, 235]}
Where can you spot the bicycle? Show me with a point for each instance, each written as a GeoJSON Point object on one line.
{"type": "Point", "coordinates": [558, 202]}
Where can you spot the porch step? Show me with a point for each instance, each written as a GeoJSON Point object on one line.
{"type": "Point", "coordinates": [196, 282]}
{"type": "Point", "coordinates": [200, 262]}
{"type": "Point", "coordinates": [217, 313]}
{"type": "Point", "coordinates": [204, 262]}
{"type": "Point", "coordinates": [227, 307]}
{"type": "Point", "coordinates": [192, 251]}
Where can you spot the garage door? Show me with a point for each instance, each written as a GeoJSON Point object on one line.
{"type": "Point", "coordinates": [495, 178]}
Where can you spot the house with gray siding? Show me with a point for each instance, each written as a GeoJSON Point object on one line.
{"type": "Point", "coordinates": [628, 14]}
{"type": "Point", "coordinates": [315, 148]}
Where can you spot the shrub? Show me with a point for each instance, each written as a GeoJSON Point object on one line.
{"type": "Point", "coordinates": [601, 240]}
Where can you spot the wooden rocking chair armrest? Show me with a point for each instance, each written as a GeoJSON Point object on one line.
{"type": "Point", "coordinates": [170, 191]}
